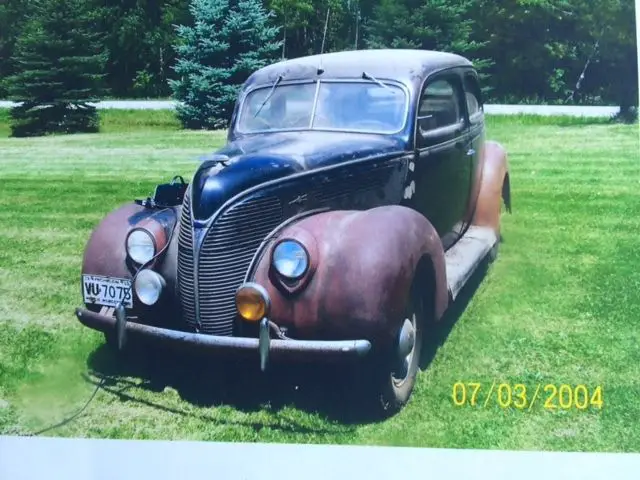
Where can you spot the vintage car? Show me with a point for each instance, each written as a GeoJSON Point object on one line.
{"type": "Point", "coordinates": [354, 198]}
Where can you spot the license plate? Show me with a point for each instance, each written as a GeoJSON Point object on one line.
{"type": "Point", "coordinates": [107, 291]}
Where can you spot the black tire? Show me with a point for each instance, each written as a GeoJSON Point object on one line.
{"type": "Point", "coordinates": [388, 381]}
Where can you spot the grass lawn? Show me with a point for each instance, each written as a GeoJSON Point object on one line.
{"type": "Point", "coordinates": [561, 305]}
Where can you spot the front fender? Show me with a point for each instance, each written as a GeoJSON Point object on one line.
{"type": "Point", "coordinates": [105, 252]}
{"type": "Point", "coordinates": [364, 264]}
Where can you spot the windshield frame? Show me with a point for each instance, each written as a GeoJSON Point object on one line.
{"type": "Point", "coordinates": [310, 127]}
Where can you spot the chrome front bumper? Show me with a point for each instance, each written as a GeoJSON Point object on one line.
{"type": "Point", "coordinates": [275, 348]}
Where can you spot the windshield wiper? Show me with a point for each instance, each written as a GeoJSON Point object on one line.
{"type": "Point", "coordinates": [275, 84]}
{"type": "Point", "coordinates": [366, 76]}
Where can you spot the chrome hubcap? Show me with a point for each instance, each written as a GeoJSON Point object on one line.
{"type": "Point", "coordinates": [405, 349]}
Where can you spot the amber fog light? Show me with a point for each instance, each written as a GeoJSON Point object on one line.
{"type": "Point", "coordinates": [252, 302]}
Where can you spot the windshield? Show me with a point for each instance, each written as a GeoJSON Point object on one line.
{"type": "Point", "coordinates": [349, 106]}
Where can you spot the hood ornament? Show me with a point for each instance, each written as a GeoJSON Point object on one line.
{"type": "Point", "coordinates": [299, 200]}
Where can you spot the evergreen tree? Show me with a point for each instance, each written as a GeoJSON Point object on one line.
{"type": "Point", "coordinates": [59, 65]}
{"type": "Point", "coordinates": [12, 17]}
{"type": "Point", "coordinates": [228, 41]}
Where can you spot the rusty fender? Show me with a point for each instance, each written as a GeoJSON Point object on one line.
{"type": "Point", "coordinates": [362, 266]}
{"type": "Point", "coordinates": [492, 186]}
{"type": "Point", "coordinates": [105, 252]}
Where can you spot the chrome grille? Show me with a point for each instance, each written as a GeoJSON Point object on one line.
{"type": "Point", "coordinates": [186, 286]}
{"type": "Point", "coordinates": [224, 258]}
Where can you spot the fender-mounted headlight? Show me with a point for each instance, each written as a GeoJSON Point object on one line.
{"type": "Point", "coordinates": [290, 259]}
{"type": "Point", "coordinates": [141, 246]}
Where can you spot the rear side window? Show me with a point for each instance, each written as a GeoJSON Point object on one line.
{"type": "Point", "coordinates": [473, 98]}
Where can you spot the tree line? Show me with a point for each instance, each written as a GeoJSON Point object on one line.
{"type": "Point", "coordinates": [528, 51]}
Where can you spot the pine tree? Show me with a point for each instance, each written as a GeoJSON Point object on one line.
{"type": "Point", "coordinates": [229, 40]}
{"type": "Point", "coordinates": [12, 18]}
{"type": "Point", "coordinates": [59, 67]}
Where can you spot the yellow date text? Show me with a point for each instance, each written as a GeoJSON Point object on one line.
{"type": "Point", "coordinates": [548, 396]}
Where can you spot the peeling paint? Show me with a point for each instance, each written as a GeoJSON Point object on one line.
{"type": "Point", "coordinates": [410, 190]}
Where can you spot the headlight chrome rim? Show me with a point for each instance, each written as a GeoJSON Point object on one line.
{"type": "Point", "coordinates": [302, 252]}
{"type": "Point", "coordinates": [154, 280]}
{"type": "Point", "coordinates": [138, 257]}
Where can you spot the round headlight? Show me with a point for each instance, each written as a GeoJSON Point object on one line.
{"type": "Point", "coordinates": [140, 246]}
{"type": "Point", "coordinates": [252, 302]}
{"type": "Point", "coordinates": [149, 286]}
{"type": "Point", "coordinates": [290, 259]}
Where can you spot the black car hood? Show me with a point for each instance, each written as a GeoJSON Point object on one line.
{"type": "Point", "coordinates": [312, 149]}
{"type": "Point", "coordinates": [255, 159]}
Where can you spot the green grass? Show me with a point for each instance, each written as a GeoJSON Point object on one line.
{"type": "Point", "coordinates": [560, 305]}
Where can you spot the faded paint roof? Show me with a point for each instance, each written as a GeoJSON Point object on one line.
{"type": "Point", "coordinates": [403, 65]}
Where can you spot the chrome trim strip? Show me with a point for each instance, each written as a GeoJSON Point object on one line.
{"type": "Point", "coordinates": [197, 243]}
{"type": "Point", "coordinates": [196, 258]}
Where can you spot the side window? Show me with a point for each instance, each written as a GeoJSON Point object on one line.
{"type": "Point", "coordinates": [473, 97]}
{"type": "Point", "coordinates": [440, 106]}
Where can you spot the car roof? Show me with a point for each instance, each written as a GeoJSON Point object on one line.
{"type": "Point", "coordinates": [404, 65]}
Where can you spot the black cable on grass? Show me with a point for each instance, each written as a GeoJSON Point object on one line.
{"type": "Point", "coordinates": [103, 380]}
{"type": "Point", "coordinates": [72, 417]}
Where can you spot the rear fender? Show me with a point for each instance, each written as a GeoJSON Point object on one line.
{"type": "Point", "coordinates": [362, 267]}
{"type": "Point", "coordinates": [493, 187]}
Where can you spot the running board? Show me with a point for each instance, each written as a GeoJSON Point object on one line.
{"type": "Point", "coordinates": [463, 258]}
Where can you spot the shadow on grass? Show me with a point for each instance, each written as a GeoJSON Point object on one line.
{"type": "Point", "coordinates": [439, 332]}
{"type": "Point", "coordinates": [207, 381]}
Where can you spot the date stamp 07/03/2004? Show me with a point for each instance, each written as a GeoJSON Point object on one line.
{"type": "Point", "coordinates": [519, 396]}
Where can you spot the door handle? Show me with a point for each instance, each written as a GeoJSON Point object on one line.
{"type": "Point", "coordinates": [471, 151]}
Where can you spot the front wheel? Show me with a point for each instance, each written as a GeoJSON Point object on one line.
{"type": "Point", "coordinates": [393, 374]}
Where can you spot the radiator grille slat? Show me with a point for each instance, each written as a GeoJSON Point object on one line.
{"type": "Point", "coordinates": [186, 286]}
